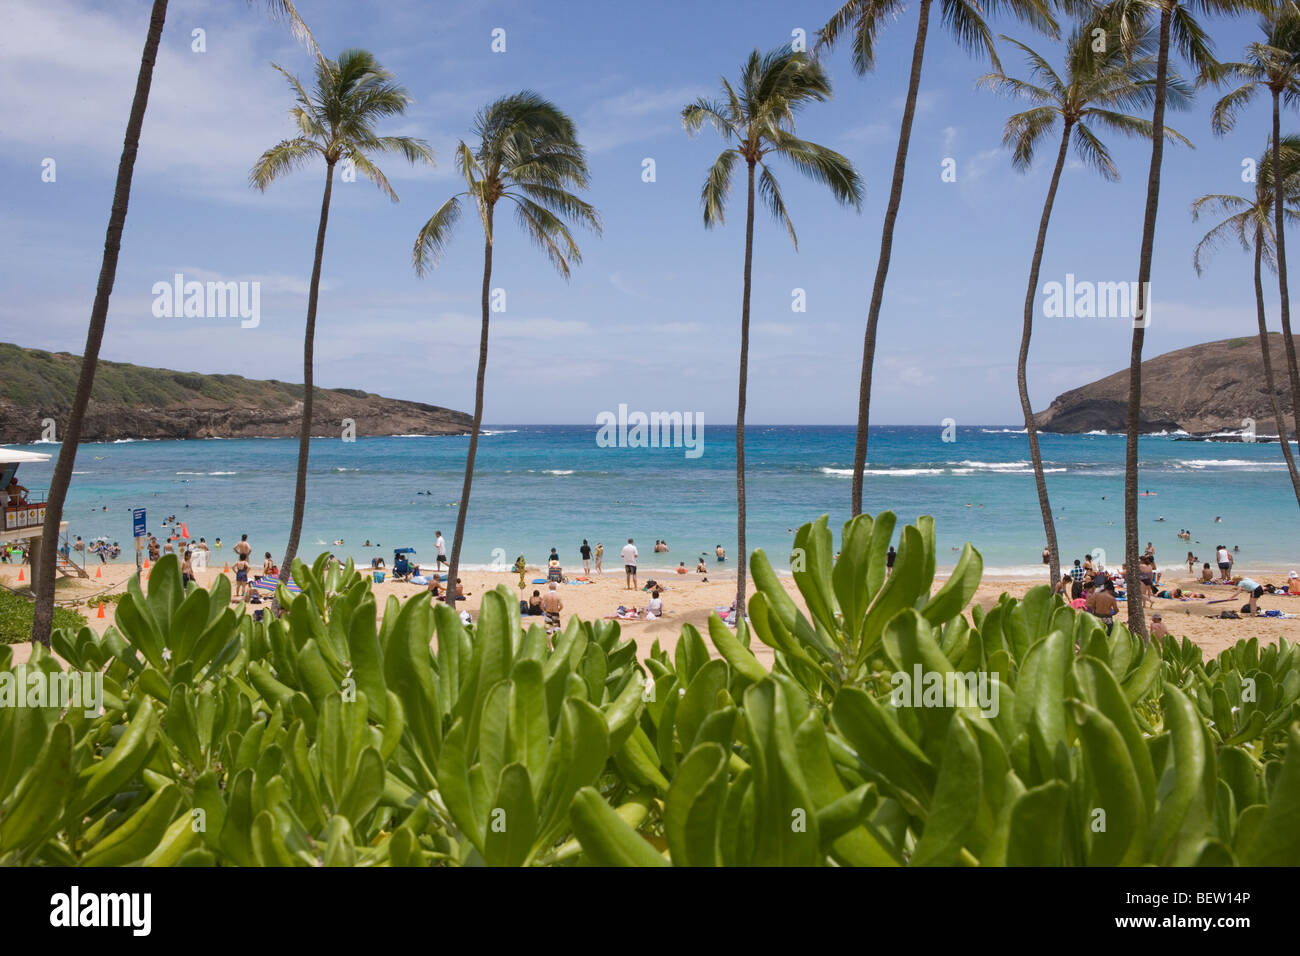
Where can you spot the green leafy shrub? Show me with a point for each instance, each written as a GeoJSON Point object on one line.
{"type": "Point", "coordinates": [336, 736]}
{"type": "Point", "coordinates": [16, 618]}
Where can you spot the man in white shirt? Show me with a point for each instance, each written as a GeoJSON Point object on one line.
{"type": "Point", "coordinates": [629, 564]}
{"type": "Point", "coordinates": [441, 545]}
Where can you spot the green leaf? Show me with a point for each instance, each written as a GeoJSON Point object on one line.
{"type": "Point", "coordinates": [1038, 826]}
{"type": "Point", "coordinates": [956, 799]}
{"type": "Point", "coordinates": [512, 821]}
{"type": "Point", "coordinates": [606, 838]}
{"type": "Point", "coordinates": [693, 810]}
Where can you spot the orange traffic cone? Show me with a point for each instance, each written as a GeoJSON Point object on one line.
{"type": "Point", "coordinates": [99, 572]}
{"type": "Point", "coordinates": [225, 570]}
{"type": "Point", "coordinates": [20, 574]}
{"type": "Point", "coordinates": [146, 564]}
{"type": "Point", "coordinates": [101, 609]}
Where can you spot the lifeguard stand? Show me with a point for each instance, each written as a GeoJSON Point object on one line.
{"type": "Point", "coordinates": [24, 519]}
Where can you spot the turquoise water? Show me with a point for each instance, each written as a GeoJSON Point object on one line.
{"type": "Point", "coordinates": [539, 487]}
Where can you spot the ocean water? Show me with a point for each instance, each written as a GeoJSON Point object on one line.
{"type": "Point", "coordinates": [539, 487]}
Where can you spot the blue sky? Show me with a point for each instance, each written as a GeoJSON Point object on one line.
{"type": "Point", "coordinates": [651, 317]}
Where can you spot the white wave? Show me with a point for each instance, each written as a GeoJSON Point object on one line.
{"type": "Point", "coordinates": [412, 436]}
{"type": "Point", "coordinates": [1005, 431]}
{"type": "Point", "coordinates": [347, 469]}
{"type": "Point", "coordinates": [223, 473]}
{"type": "Point", "coordinates": [1099, 431]}
{"type": "Point", "coordinates": [190, 473]}
{"type": "Point", "coordinates": [899, 472]}
{"type": "Point", "coordinates": [557, 471]}
{"type": "Point", "coordinates": [1229, 463]}
{"type": "Point", "coordinates": [963, 471]}
{"type": "Point", "coordinates": [896, 472]}
{"type": "Point", "coordinates": [46, 441]}
{"type": "Point", "coordinates": [504, 431]}
{"type": "Point", "coordinates": [993, 465]}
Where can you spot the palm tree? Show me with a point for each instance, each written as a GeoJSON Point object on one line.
{"type": "Point", "coordinates": [43, 573]}
{"type": "Point", "coordinates": [757, 122]}
{"type": "Point", "coordinates": [1273, 65]}
{"type": "Point", "coordinates": [864, 18]}
{"type": "Point", "coordinates": [335, 122]}
{"type": "Point", "coordinates": [528, 152]}
{"type": "Point", "coordinates": [1093, 89]}
{"type": "Point", "coordinates": [1252, 223]}
{"type": "Point", "coordinates": [1129, 20]}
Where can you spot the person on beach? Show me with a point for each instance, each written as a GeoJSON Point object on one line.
{"type": "Point", "coordinates": [268, 566]}
{"type": "Point", "coordinates": [441, 544]}
{"type": "Point", "coordinates": [1224, 557]}
{"type": "Point", "coordinates": [187, 570]}
{"type": "Point", "coordinates": [1158, 630]}
{"type": "Point", "coordinates": [629, 564]}
{"type": "Point", "coordinates": [1047, 555]}
{"type": "Point", "coordinates": [1076, 572]}
{"type": "Point", "coordinates": [600, 552]}
{"type": "Point", "coordinates": [241, 578]}
{"type": "Point", "coordinates": [17, 493]}
{"type": "Point", "coordinates": [655, 609]}
{"type": "Point", "coordinates": [1089, 571]}
{"type": "Point", "coordinates": [1150, 552]}
{"type": "Point", "coordinates": [681, 568]}
{"type": "Point", "coordinates": [242, 548]}
{"type": "Point", "coordinates": [1104, 604]}
{"type": "Point", "coordinates": [721, 552]}
{"type": "Point", "coordinates": [1191, 563]}
{"type": "Point", "coordinates": [585, 552]}
{"type": "Point", "coordinates": [1253, 588]}
{"type": "Point", "coordinates": [1206, 574]}
{"type": "Point", "coordinates": [700, 567]}
{"type": "Point", "coordinates": [552, 605]}
{"type": "Point", "coordinates": [534, 608]}
{"type": "Point", "coordinates": [1062, 587]}
{"type": "Point", "coordinates": [890, 555]}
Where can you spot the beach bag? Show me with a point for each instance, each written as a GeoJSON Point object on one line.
{"type": "Point", "coordinates": [1230, 616]}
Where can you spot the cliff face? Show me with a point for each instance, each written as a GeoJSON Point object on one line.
{"type": "Point", "coordinates": [1206, 388]}
{"type": "Point", "coordinates": [130, 401]}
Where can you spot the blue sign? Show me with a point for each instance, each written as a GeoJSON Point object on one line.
{"type": "Point", "coordinates": [137, 521]}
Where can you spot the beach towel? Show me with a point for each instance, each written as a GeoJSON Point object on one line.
{"type": "Point", "coordinates": [265, 585]}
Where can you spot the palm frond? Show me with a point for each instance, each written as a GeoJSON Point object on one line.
{"type": "Point", "coordinates": [717, 185]}
{"type": "Point", "coordinates": [284, 11]}
{"type": "Point", "coordinates": [864, 18]}
{"type": "Point", "coordinates": [1223, 118]}
{"type": "Point", "coordinates": [770, 192]}
{"type": "Point", "coordinates": [435, 235]}
{"type": "Point", "coordinates": [549, 232]}
{"type": "Point", "coordinates": [822, 165]}
{"type": "Point", "coordinates": [1093, 152]}
{"type": "Point", "coordinates": [284, 157]}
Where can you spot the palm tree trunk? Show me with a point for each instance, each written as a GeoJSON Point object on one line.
{"type": "Point", "coordinates": [741, 553]}
{"type": "Point", "coordinates": [308, 352]}
{"type": "Point", "coordinates": [454, 565]}
{"type": "Point", "coordinates": [1284, 295]}
{"type": "Point", "coordinates": [43, 574]}
{"type": "Point", "coordinates": [882, 264]}
{"type": "Point", "coordinates": [1136, 614]}
{"type": "Point", "coordinates": [1049, 526]}
{"type": "Point", "coordinates": [1268, 369]}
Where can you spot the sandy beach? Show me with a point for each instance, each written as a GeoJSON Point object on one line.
{"type": "Point", "coordinates": [690, 599]}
